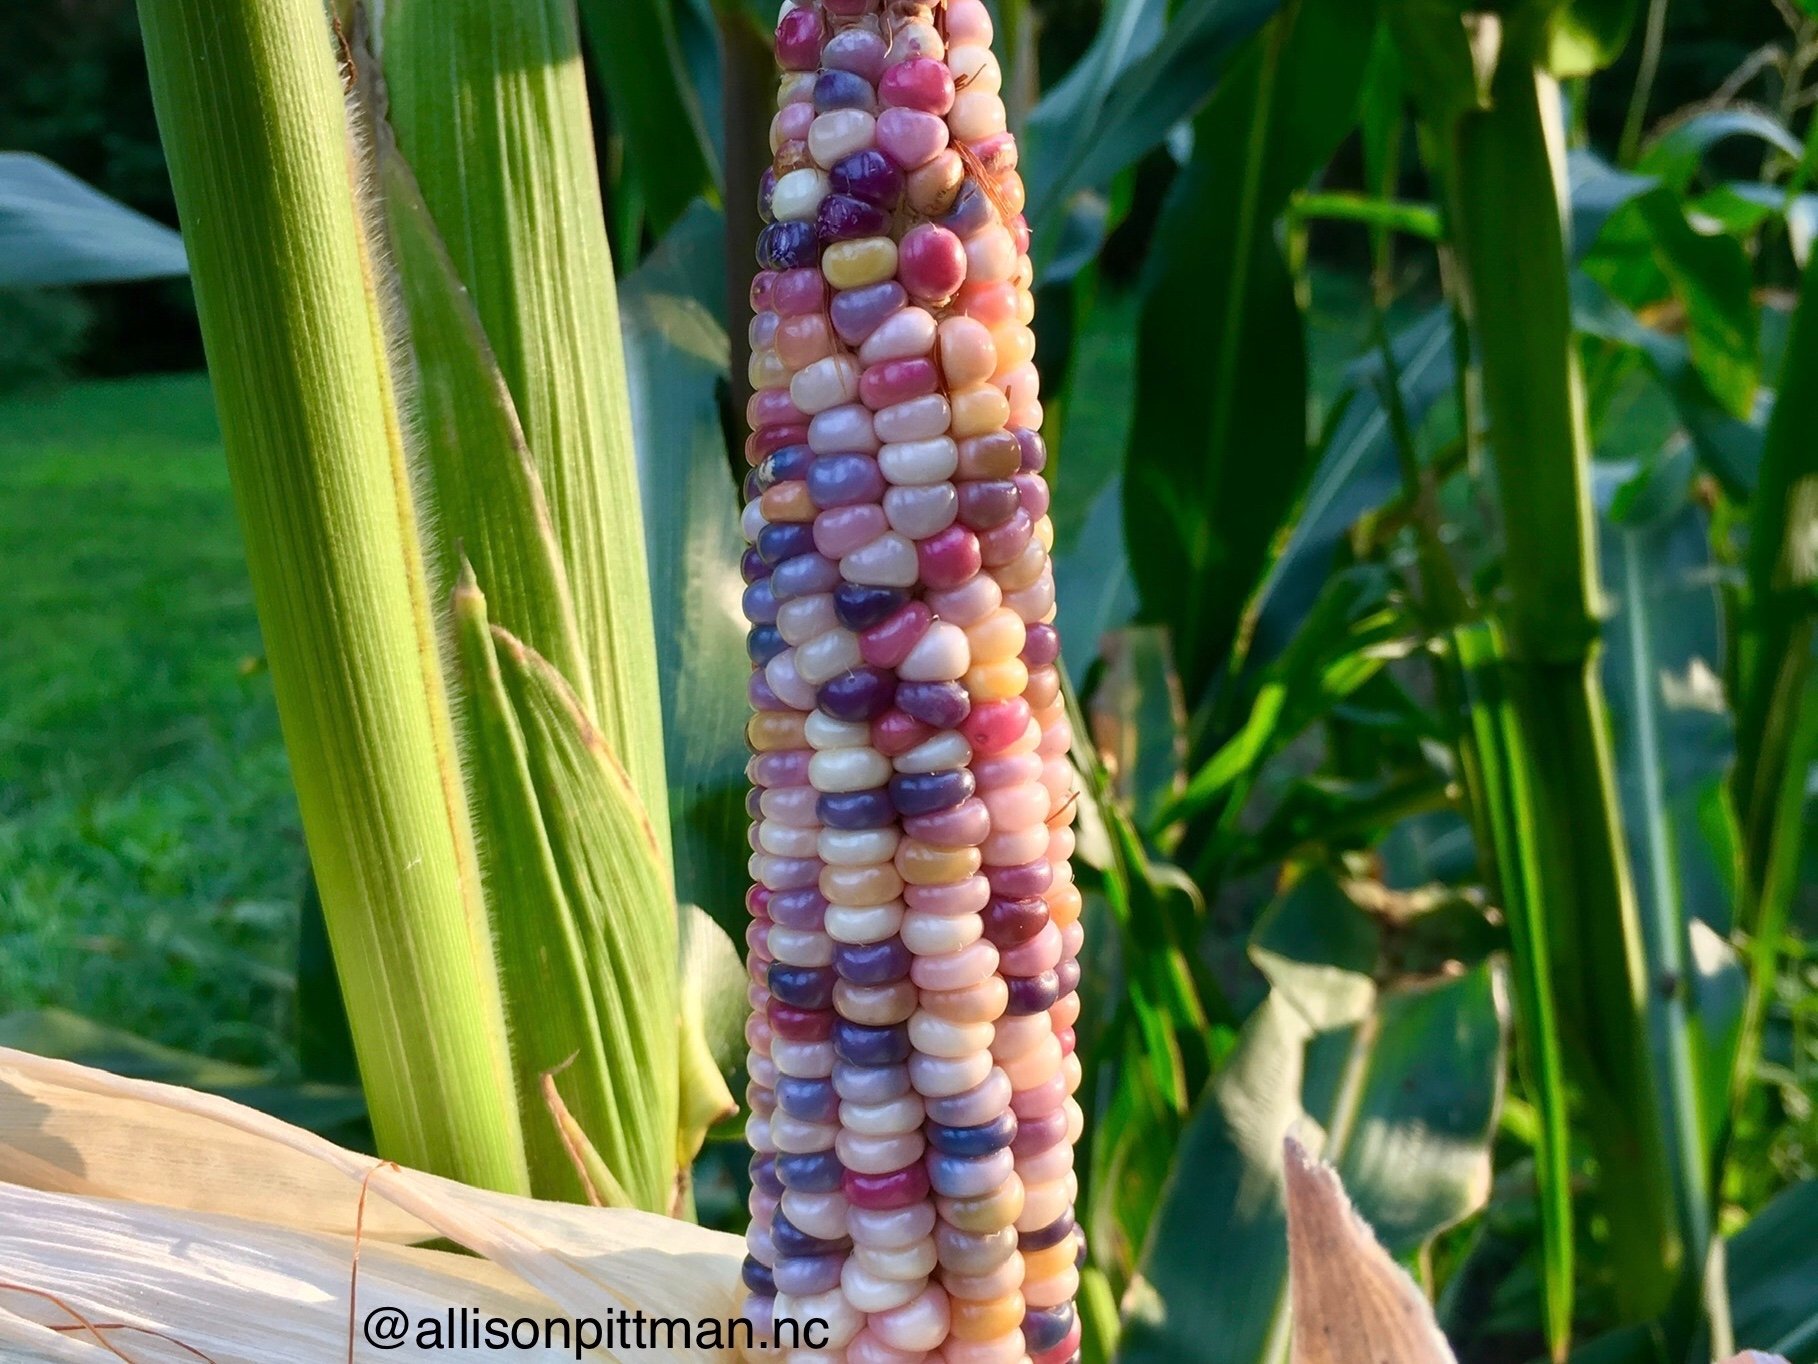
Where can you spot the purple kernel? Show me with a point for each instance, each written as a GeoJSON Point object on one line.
{"type": "Point", "coordinates": [766, 188]}
{"type": "Point", "coordinates": [757, 1276]}
{"type": "Point", "coordinates": [872, 963]}
{"type": "Point", "coordinates": [1009, 922]}
{"type": "Point", "coordinates": [804, 576]}
{"type": "Point", "coordinates": [808, 1100]}
{"type": "Point", "coordinates": [844, 481]}
{"type": "Point", "coordinates": [1038, 1134]}
{"type": "Point", "coordinates": [863, 1045]}
{"type": "Point", "coordinates": [1034, 448]}
{"type": "Point", "coordinates": [804, 1274]}
{"type": "Point", "coordinates": [1044, 1328]}
{"type": "Point", "coordinates": [982, 1140]}
{"type": "Point", "coordinates": [752, 567]}
{"type": "Point", "coordinates": [806, 987]}
{"type": "Point", "coordinates": [841, 218]}
{"type": "Point", "coordinates": [804, 908]}
{"type": "Point", "coordinates": [861, 694]}
{"type": "Point", "coordinates": [1041, 645]}
{"type": "Point", "coordinates": [835, 89]}
{"type": "Point", "coordinates": [858, 607]}
{"type": "Point", "coordinates": [971, 211]}
{"type": "Point", "coordinates": [792, 1241]}
{"type": "Point", "coordinates": [788, 246]}
{"type": "Point", "coordinates": [1031, 878]}
{"type": "Point", "coordinates": [810, 1171]}
{"type": "Point", "coordinates": [1032, 994]}
{"type": "Point", "coordinates": [867, 175]}
{"type": "Point", "coordinates": [1056, 1231]}
{"type": "Point", "coordinates": [941, 704]}
{"type": "Point", "coordinates": [784, 540]}
{"type": "Point", "coordinates": [763, 643]}
{"type": "Point", "coordinates": [987, 503]}
{"type": "Point", "coordinates": [922, 793]}
{"type": "Point", "coordinates": [856, 313]}
{"type": "Point", "coordinates": [855, 809]}
{"type": "Point", "coordinates": [1067, 974]}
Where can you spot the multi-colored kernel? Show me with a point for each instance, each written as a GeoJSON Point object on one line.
{"type": "Point", "coordinates": [915, 935]}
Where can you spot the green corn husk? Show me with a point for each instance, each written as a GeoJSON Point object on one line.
{"type": "Point", "coordinates": [251, 109]}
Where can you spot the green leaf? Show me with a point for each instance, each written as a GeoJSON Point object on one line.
{"type": "Point", "coordinates": [615, 882]}
{"type": "Point", "coordinates": [55, 230]}
{"type": "Point", "coordinates": [712, 1026]}
{"type": "Point", "coordinates": [1647, 253]}
{"type": "Point", "coordinates": [1128, 32]}
{"type": "Point", "coordinates": [1504, 792]}
{"type": "Point", "coordinates": [489, 105]}
{"type": "Point", "coordinates": [1345, 640]}
{"type": "Point", "coordinates": [675, 349]}
{"type": "Point", "coordinates": [1120, 125]}
{"type": "Point", "coordinates": [1729, 448]}
{"type": "Point", "coordinates": [1504, 176]}
{"type": "Point", "coordinates": [655, 109]}
{"type": "Point", "coordinates": [1671, 733]}
{"type": "Point", "coordinates": [1778, 626]}
{"type": "Point", "coordinates": [1677, 154]}
{"type": "Point", "coordinates": [249, 95]}
{"type": "Point", "coordinates": [1407, 1131]}
{"type": "Point", "coordinates": [1773, 1262]}
{"type": "Point", "coordinates": [1218, 448]}
{"type": "Point", "coordinates": [490, 509]}
{"type": "Point", "coordinates": [1588, 35]}
{"type": "Point", "coordinates": [551, 1014]}
{"type": "Point", "coordinates": [1448, 55]}
{"type": "Point", "coordinates": [1357, 472]}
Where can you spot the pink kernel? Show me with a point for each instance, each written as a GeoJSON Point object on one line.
{"type": "Point", "coordinates": [995, 154]}
{"type": "Point", "coordinates": [991, 303]}
{"type": "Point", "coordinates": [771, 407]}
{"type": "Point", "coordinates": [931, 262]}
{"type": "Point", "coordinates": [894, 733]}
{"type": "Point", "coordinates": [895, 381]}
{"type": "Point", "coordinates": [763, 284]}
{"type": "Point", "coordinates": [993, 726]}
{"type": "Point", "coordinates": [968, 21]}
{"type": "Point", "coordinates": [887, 644]}
{"type": "Point", "coordinates": [1019, 234]}
{"type": "Point", "coordinates": [919, 83]}
{"type": "Point", "coordinates": [910, 137]}
{"type": "Point", "coordinates": [800, 291]}
{"type": "Point", "coordinates": [949, 558]}
{"type": "Point", "coordinates": [791, 124]}
{"type": "Point", "coordinates": [798, 39]}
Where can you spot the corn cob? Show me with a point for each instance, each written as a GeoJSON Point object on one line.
{"type": "Point", "coordinates": [914, 937]}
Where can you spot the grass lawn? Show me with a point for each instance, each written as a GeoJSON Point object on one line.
{"type": "Point", "coordinates": [150, 860]}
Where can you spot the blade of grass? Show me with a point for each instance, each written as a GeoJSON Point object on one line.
{"type": "Point", "coordinates": [250, 107]}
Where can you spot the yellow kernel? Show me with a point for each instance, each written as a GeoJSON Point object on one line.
{"type": "Point", "coordinates": [977, 410]}
{"type": "Point", "coordinates": [996, 681]}
{"type": "Point", "coordinates": [986, 1213]}
{"type": "Point", "coordinates": [769, 730]}
{"type": "Point", "coordinates": [851, 265]}
{"type": "Point", "coordinates": [924, 864]}
{"type": "Point", "coordinates": [987, 1320]}
{"type": "Point", "coordinates": [861, 887]}
{"type": "Point", "coordinates": [998, 636]}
